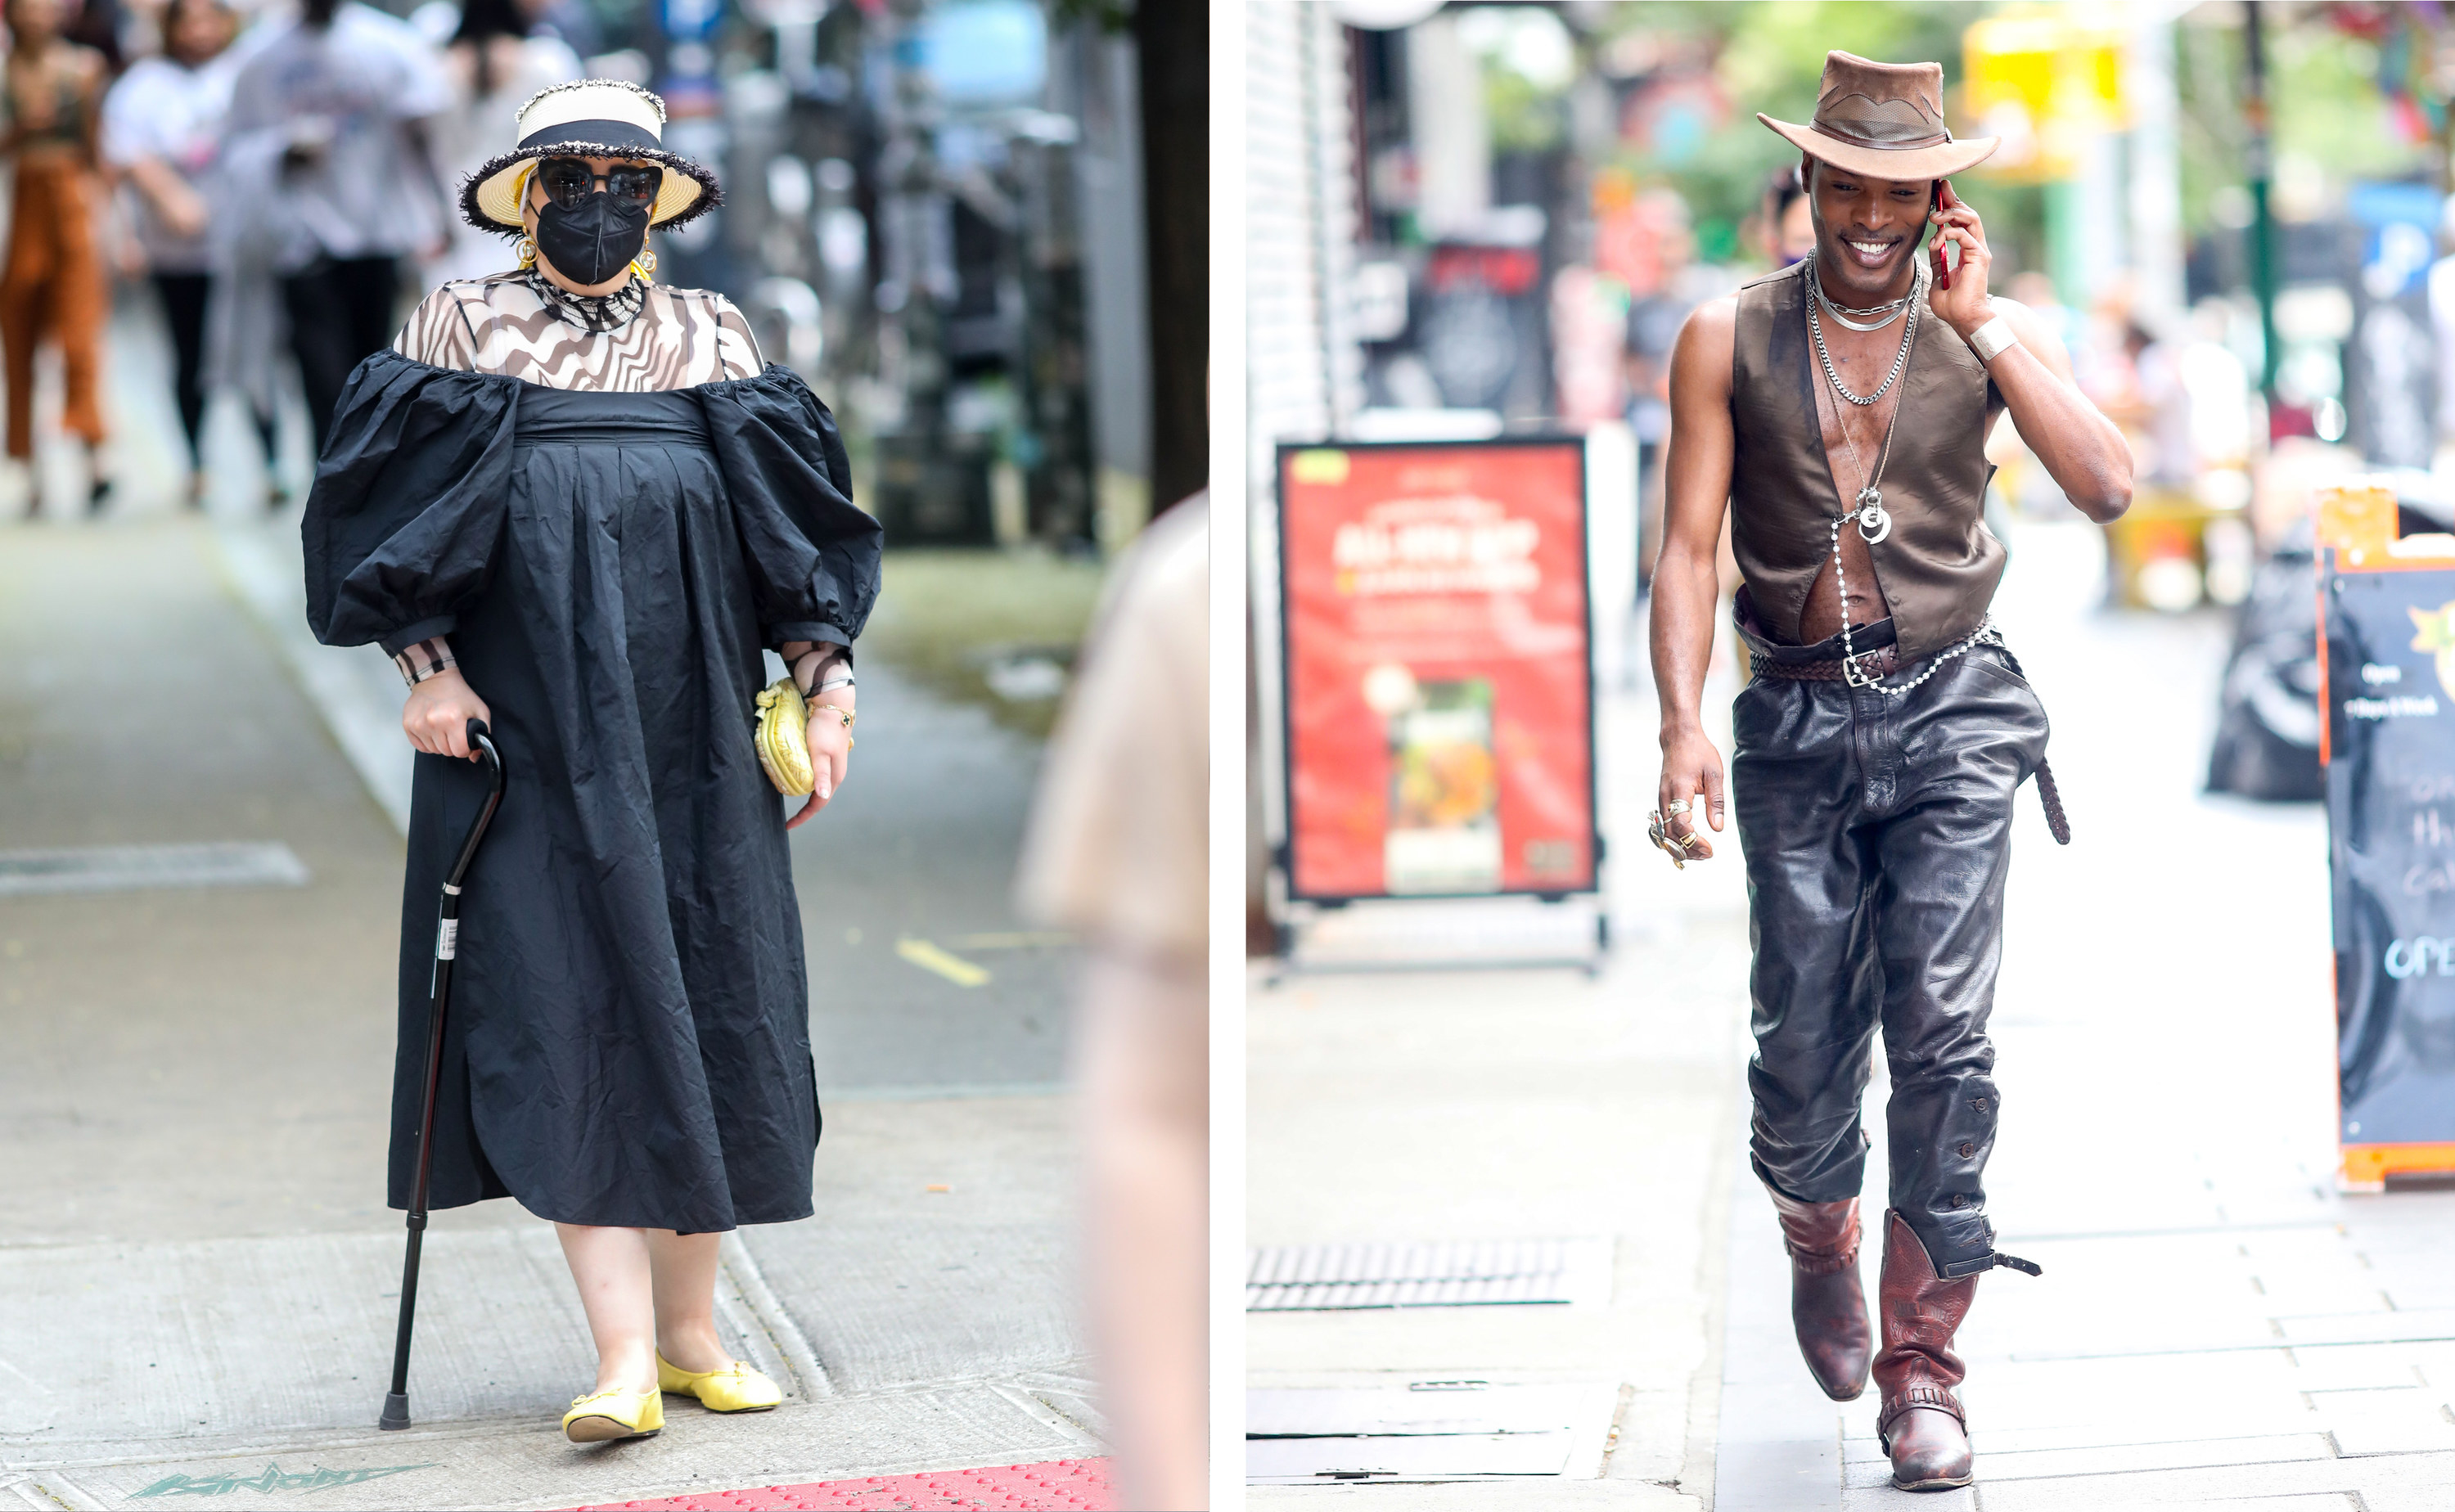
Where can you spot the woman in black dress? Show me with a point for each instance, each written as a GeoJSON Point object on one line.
{"type": "Point", "coordinates": [583, 495]}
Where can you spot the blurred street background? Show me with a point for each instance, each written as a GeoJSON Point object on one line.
{"type": "Point", "coordinates": [1482, 220]}
{"type": "Point", "coordinates": [942, 214]}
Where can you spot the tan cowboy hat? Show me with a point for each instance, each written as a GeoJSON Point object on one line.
{"type": "Point", "coordinates": [589, 118]}
{"type": "Point", "coordinates": [1884, 120]}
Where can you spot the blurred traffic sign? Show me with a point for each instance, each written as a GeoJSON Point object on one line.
{"type": "Point", "coordinates": [2042, 83]}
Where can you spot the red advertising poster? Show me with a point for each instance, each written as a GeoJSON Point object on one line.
{"type": "Point", "coordinates": [1439, 697]}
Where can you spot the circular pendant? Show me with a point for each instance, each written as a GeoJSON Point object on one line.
{"type": "Point", "coordinates": [1874, 523]}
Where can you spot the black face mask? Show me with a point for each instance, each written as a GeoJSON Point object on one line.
{"type": "Point", "coordinates": [591, 244]}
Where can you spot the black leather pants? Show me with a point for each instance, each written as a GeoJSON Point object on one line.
{"type": "Point", "coordinates": [1876, 832]}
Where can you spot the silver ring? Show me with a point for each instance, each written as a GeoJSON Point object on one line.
{"type": "Point", "coordinates": [1676, 806]}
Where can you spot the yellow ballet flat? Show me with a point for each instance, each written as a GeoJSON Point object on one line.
{"type": "Point", "coordinates": [736, 1388]}
{"type": "Point", "coordinates": [604, 1415]}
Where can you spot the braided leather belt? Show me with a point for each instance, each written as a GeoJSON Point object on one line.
{"type": "Point", "coordinates": [1881, 662]}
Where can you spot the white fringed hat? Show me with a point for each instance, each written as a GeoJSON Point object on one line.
{"type": "Point", "coordinates": [589, 118]}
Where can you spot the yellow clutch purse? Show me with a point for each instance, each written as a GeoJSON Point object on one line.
{"type": "Point", "coordinates": [784, 738]}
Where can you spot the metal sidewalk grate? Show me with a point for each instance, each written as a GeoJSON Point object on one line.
{"type": "Point", "coordinates": [126, 868]}
{"type": "Point", "coordinates": [1453, 1273]}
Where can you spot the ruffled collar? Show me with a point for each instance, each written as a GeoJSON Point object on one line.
{"type": "Point", "coordinates": [594, 314]}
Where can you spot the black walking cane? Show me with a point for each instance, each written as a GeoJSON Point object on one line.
{"type": "Point", "coordinates": [447, 943]}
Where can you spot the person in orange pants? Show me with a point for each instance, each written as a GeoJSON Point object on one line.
{"type": "Point", "coordinates": [54, 285]}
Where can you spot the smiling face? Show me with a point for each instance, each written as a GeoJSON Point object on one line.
{"type": "Point", "coordinates": [1867, 230]}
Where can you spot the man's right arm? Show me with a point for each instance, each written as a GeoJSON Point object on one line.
{"type": "Point", "coordinates": [1687, 593]}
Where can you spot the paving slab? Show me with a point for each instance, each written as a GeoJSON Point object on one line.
{"type": "Point", "coordinates": [2404, 1483]}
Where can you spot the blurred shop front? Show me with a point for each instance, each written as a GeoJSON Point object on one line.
{"type": "Point", "coordinates": [934, 211]}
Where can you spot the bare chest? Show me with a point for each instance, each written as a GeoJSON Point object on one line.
{"type": "Point", "coordinates": [1854, 435]}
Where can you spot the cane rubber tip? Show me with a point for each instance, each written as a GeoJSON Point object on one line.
{"type": "Point", "coordinates": [395, 1413]}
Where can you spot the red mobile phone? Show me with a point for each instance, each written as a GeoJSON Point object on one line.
{"type": "Point", "coordinates": [1934, 201]}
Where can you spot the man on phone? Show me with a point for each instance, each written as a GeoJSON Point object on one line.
{"type": "Point", "coordinates": [1885, 725]}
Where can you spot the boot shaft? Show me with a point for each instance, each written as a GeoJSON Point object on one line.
{"type": "Point", "coordinates": [1920, 1313]}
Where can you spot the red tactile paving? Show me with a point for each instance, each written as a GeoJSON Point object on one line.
{"type": "Point", "coordinates": [1053, 1485]}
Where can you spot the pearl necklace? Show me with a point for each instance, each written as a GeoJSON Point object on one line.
{"type": "Point", "coordinates": [1875, 522]}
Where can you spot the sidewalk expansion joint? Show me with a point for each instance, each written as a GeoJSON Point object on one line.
{"type": "Point", "coordinates": [773, 1322]}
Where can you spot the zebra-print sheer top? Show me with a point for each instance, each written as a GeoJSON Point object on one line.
{"type": "Point", "coordinates": [517, 325]}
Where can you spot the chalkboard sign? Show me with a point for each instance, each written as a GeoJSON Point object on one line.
{"type": "Point", "coordinates": [2390, 634]}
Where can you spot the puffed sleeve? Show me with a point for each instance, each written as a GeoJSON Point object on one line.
{"type": "Point", "coordinates": [409, 501]}
{"type": "Point", "coordinates": [813, 556]}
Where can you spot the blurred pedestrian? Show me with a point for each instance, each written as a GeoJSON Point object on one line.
{"type": "Point", "coordinates": [1653, 320]}
{"type": "Point", "coordinates": [54, 285]}
{"type": "Point", "coordinates": [1119, 852]}
{"type": "Point", "coordinates": [162, 126]}
{"type": "Point", "coordinates": [98, 23]}
{"type": "Point", "coordinates": [495, 64]}
{"type": "Point", "coordinates": [1885, 726]}
{"type": "Point", "coordinates": [1788, 229]}
{"type": "Point", "coordinates": [628, 1051]}
{"type": "Point", "coordinates": [331, 169]}
{"type": "Point", "coordinates": [569, 22]}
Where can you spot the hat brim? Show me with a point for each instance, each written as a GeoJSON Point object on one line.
{"type": "Point", "coordinates": [1942, 160]}
{"type": "Point", "coordinates": [490, 198]}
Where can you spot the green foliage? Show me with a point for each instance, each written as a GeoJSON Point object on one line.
{"type": "Point", "coordinates": [1524, 117]}
{"type": "Point", "coordinates": [1775, 50]}
{"type": "Point", "coordinates": [2324, 99]}
{"type": "Point", "coordinates": [2207, 82]}
{"type": "Point", "coordinates": [1112, 16]}
{"type": "Point", "coordinates": [2323, 104]}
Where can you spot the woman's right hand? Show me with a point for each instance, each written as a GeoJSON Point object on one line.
{"type": "Point", "coordinates": [436, 717]}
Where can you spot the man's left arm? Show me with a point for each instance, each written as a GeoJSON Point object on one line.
{"type": "Point", "coordinates": [2082, 450]}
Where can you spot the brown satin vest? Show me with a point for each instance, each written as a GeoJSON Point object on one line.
{"type": "Point", "coordinates": [1938, 567]}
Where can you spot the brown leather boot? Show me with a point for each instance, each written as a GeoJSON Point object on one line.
{"type": "Point", "coordinates": [1920, 1425]}
{"type": "Point", "coordinates": [1828, 1307]}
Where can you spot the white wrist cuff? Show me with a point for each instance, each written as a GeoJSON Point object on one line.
{"type": "Point", "coordinates": [1990, 339]}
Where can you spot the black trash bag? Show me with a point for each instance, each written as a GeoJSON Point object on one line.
{"type": "Point", "coordinates": [2266, 742]}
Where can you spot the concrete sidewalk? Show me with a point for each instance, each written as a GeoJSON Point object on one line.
{"type": "Point", "coordinates": [1488, 1105]}
{"type": "Point", "coordinates": [197, 1276]}
{"type": "Point", "coordinates": [2216, 1326]}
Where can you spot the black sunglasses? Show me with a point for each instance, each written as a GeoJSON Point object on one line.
{"type": "Point", "coordinates": [568, 180]}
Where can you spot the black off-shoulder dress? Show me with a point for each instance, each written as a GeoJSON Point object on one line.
{"type": "Point", "coordinates": [628, 1042]}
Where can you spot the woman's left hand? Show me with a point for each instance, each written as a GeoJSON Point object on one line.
{"type": "Point", "coordinates": [830, 757]}
{"type": "Point", "coordinates": [1964, 306]}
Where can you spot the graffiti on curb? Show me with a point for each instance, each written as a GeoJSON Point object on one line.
{"type": "Point", "coordinates": [272, 1479]}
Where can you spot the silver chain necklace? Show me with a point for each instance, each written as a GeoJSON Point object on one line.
{"type": "Point", "coordinates": [1874, 318]}
{"type": "Point", "coordinates": [1900, 359]}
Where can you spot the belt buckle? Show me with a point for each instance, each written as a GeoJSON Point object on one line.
{"type": "Point", "coordinates": [1850, 675]}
